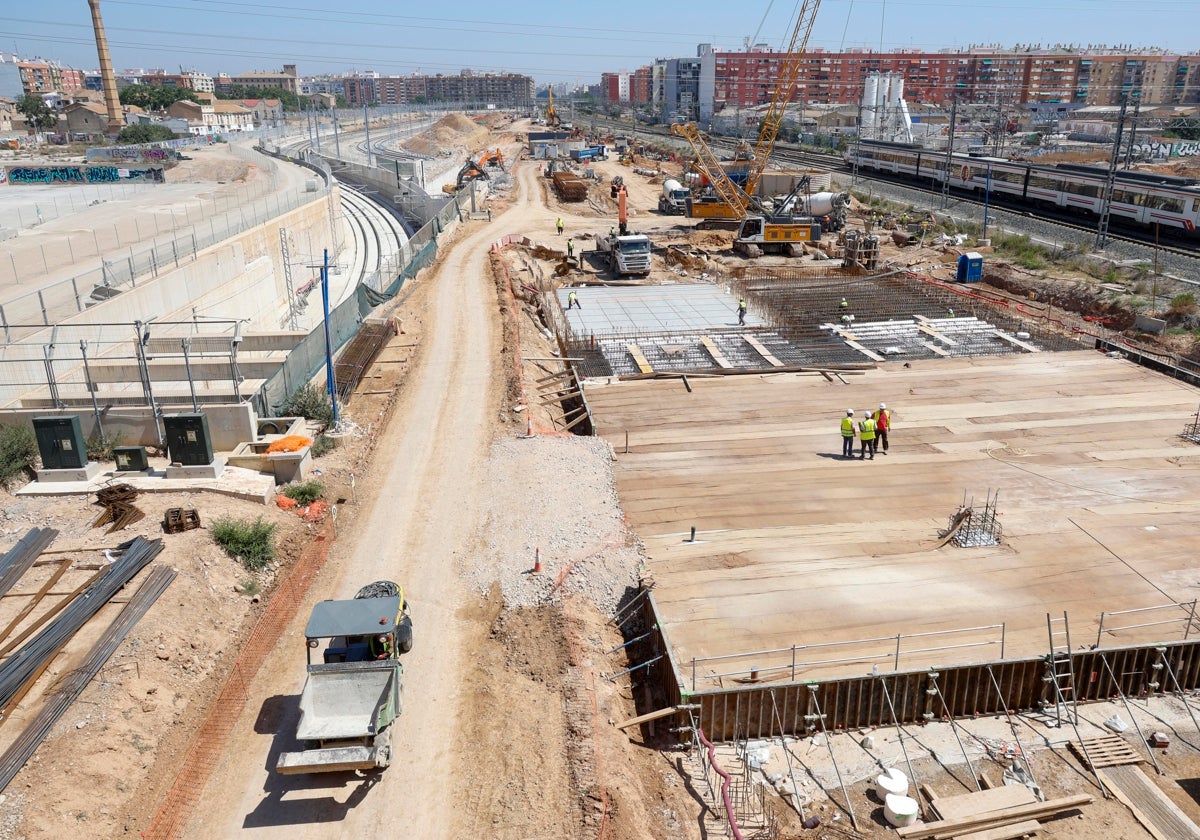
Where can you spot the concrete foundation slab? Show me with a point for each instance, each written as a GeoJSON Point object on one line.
{"type": "Point", "coordinates": [86, 473]}
{"type": "Point", "coordinates": [812, 564]}
{"type": "Point", "coordinates": [183, 473]}
{"type": "Point", "coordinates": [233, 481]}
{"type": "Point", "coordinates": [652, 309]}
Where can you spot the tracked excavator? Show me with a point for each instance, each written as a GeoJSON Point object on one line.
{"type": "Point", "coordinates": [471, 171]}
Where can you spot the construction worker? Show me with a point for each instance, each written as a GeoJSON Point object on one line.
{"type": "Point", "coordinates": [848, 434]}
{"type": "Point", "coordinates": [844, 305]}
{"type": "Point", "coordinates": [381, 646]}
{"type": "Point", "coordinates": [883, 422]}
{"type": "Point", "coordinates": [847, 320]}
{"type": "Point", "coordinates": [570, 248]}
{"type": "Point", "coordinates": [866, 435]}
{"type": "Point", "coordinates": [573, 301]}
{"type": "Point", "coordinates": [949, 312]}
{"type": "Point", "coordinates": [560, 227]}
{"type": "Point", "coordinates": [612, 231]}
{"type": "Point", "coordinates": [741, 312]}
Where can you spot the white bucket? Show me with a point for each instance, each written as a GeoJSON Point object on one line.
{"type": "Point", "coordinates": [900, 810]}
{"type": "Point", "coordinates": [891, 782]}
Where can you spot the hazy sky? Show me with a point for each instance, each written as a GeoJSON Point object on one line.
{"type": "Point", "coordinates": [552, 41]}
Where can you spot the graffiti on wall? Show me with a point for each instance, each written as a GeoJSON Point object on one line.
{"type": "Point", "coordinates": [81, 175]}
{"type": "Point", "coordinates": [1191, 149]}
{"type": "Point", "coordinates": [133, 153]}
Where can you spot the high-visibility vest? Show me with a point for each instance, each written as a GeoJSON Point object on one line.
{"type": "Point", "coordinates": [883, 420]}
{"type": "Point", "coordinates": [847, 427]}
{"type": "Point", "coordinates": [868, 429]}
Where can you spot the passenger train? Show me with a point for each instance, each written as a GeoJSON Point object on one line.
{"type": "Point", "coordinates": [1144, 198]}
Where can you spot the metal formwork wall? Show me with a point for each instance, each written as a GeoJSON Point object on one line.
{"type": "Point", "coordinates": [918, 696]}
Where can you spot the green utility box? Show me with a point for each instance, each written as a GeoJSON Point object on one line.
{"type": "Point", "coordinates": [60, 442]}
{"type": "Point", "coordinates": [131, 458]}
{"type": "Point", "coordinates": [188, 440]}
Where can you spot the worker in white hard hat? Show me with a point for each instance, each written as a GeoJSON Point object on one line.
{"type": "Point", "coordinates": [866, 436]}
{"type": "Point", "coordinates": [883, 424]}
{"type": "Point", "coordinates": [848, 434]}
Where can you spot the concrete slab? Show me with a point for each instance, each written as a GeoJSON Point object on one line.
{"type": "Point", "coordinates": [1099, 501]}
{"type": "Point", "coordinates": [610, 310]}
{"type": "Point", "coordinates": [240, 483]}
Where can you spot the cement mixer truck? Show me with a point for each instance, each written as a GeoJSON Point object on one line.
{"type": "Point", "coordinates": [673, 200]}
{"type": "Point", "coordinates": [829, 208]}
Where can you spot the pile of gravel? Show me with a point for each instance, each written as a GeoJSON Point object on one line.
{"type": "Point", "coordinates": [554, 494]}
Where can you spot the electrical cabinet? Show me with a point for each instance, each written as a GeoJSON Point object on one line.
{"type": "Point", "coordinates": [188, 440]}
{"type": "Point", "coordinates": [60, 442]}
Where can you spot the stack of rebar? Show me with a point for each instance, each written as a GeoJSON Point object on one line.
{"type": "Point", "coordinates": [570, 187]}
{"type": "Point", "coordinates": [32, 657]}
{"type": "Point", "coordinates": [73, 684]}
{"type": "Point", "coordinates": [20, 557]}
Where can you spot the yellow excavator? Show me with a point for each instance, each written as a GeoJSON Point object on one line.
{"type": "Point", "coordinates": [552, 118]}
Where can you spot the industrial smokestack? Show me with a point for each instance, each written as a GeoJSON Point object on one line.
{"type": "Point", "coordinates": [108, 78]}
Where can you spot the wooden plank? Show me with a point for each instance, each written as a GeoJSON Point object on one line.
{"type": "Point", "coordinates": [639, 358]}
{"type": "Point", "coordinates": [1006, 832]}
{"type": "Point", "coordinates": [930, 345]}
{"type": "Point", "coordinates": [982, 802]}
{"type": "Point", "coordinates": [713, 351]}
{"type": "Point", "coordinates": [649, 716]}
{"type": "Point", "coordinates": [1153, 808]}
{"type": "Point", "coordinates": [1016, 342]}
{"type": "Point", "coordinates": [870, 354]}
{"type": "Point", "coordinates": [946, 829]}
{"type": "Point", "coordinates": [764, 352]}
{"type": "Point", "coordinates": [937, 336]}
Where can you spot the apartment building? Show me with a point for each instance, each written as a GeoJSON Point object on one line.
{"type": "Point", "coordinates": [499, 88]}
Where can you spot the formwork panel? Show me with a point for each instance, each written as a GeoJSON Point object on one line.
{"type": "Point", "coordinates": [810, 567]}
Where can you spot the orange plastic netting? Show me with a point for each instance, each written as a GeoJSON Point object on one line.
{"type": "Point", "coordinates": [289, 443]}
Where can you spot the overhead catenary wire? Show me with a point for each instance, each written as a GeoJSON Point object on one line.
{"type": "Point", "coordinates": [72, 685]}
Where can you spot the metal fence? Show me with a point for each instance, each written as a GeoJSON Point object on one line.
{"type": "Point", "coordinates": [198, 225]}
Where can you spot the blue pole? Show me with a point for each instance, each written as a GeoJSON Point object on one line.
{"type": "Point", "coordinates": [330, 380]}
{"type": "Point", "coordinates": [987, 194]}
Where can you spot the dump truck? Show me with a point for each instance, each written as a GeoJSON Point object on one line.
{"type": "Point", "coordinates": [674, 198]}
{"type": "Point", "coordinates": [626, 254]}
{"type": "Point", "coordinates": [352, 692]}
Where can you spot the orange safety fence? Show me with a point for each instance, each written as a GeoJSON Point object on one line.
{"type": "Point", "coordinates": [288, 443]}
{"type": "Point", "coordinates": [211, 739]}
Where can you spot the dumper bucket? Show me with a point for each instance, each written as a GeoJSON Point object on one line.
{"type": "Point", "coordinates": [333, 759]}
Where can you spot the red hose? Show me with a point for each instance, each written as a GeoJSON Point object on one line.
{"type": "Point", "coordinates": [726, 781]}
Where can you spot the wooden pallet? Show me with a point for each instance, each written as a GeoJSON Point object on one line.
{"type": "Point", "coordinates": [1105, 751]}
{"type": "Point", "coordinates": [177, 520]}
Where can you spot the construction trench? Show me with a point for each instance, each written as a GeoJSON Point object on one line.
{"type": "Point", "coordinates": [802, 690]}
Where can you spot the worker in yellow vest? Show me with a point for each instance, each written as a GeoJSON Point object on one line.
{"type": "Point", "coordinates": [866, 434]}
{"type": "Point", "coordinates": [848, 434]}
{"type": "Point", "coordinates": [883, 424]}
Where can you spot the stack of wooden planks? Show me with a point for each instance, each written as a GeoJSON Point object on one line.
{"type": "Point", "coordinates": [1001, 813]}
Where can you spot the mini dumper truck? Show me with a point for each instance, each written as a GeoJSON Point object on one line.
{"type": "Point", "coordinates": [352, 693]}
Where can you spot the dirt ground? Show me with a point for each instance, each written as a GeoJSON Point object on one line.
{"type": "Point", "coordinates": [509, 728]}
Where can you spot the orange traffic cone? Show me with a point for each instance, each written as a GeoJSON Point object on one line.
{"type": "Point", "coordinates": [537, 561]}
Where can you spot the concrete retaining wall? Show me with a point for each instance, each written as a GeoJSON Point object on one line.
{"type": "Point", "coordinates": [229, 424]}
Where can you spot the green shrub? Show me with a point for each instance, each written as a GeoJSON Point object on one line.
{"type": "Point", "coordinates": [100, 448]}
{"type": "Point", "coordinates": [18, 452]}
{"type": "Point", "coordinates": [304, 493]}
{"type": "Point", "coordinates": [249, 587]}
{"type": "Point", "coordinates": [321, 444]}
{"type": "Point", "coordinates": [309, 401]}
{"type": "Point", "coordinates": [251, 542]}
{"type": "Point", "coordinates": [1184, 304]}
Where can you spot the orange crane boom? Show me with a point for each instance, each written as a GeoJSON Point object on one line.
{"type": "Point", "coordinates": [740, 198]}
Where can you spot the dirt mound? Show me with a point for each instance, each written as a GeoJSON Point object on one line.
{"type": "Point", "coordinates": [450, 131]}
{"type": "Point", "coordinates": [207, 166]}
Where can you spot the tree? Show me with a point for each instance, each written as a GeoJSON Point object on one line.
{"type": "Point", "coordinates": [289, 100]}
{"type": "Point", "coordinates": [154, 97]}
{"type": "Point", "coordinates": [145, 133]}
{"type": "Point", "coordinates": [38, 115]}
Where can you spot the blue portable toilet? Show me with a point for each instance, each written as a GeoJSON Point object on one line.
{"type": "Point", "coordinates": [970, 267]}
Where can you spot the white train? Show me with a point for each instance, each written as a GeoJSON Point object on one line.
{"type": "Point", "coordinates": [1144, 198]}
